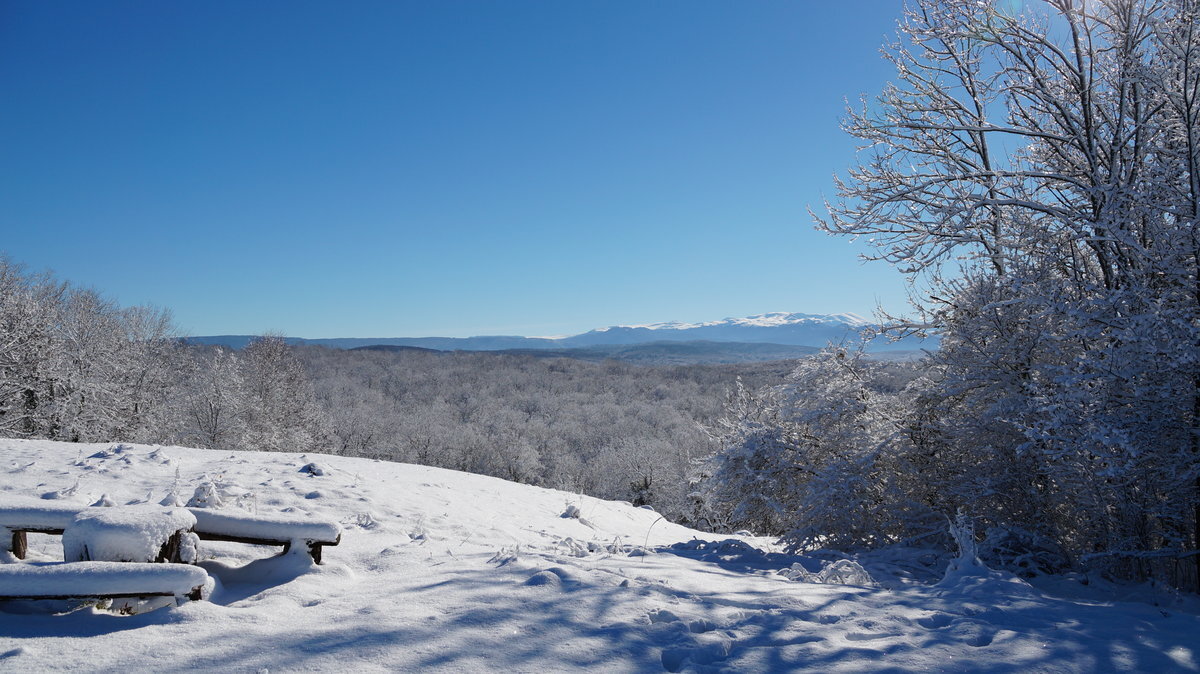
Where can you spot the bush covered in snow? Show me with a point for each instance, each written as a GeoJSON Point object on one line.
{"type": "Point", "coordinates": [1046, 210]}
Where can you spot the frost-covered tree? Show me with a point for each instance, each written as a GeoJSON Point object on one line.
{"type": "Point", "coordinates": [1036, 175]}
{"type": "Point", "coordinates": [76, 366]}
{"type": "Point", "coordinates": [28, 313]}
{"type": "Point", "coordinates": [821, 460]}
{"type": "Point", "coordinates": [213, 400]}
{"type": "Point", "coordinates": [280, 409]}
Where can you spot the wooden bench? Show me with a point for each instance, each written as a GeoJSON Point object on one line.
{"type": "Point", "coordinates": [100, 580]}
{"type": "Point", "coordinates": [211, 525]}
{"type": "Point", "coordinates": [276, 529]}
{"type": "Point", "coordinates": [34, 517]}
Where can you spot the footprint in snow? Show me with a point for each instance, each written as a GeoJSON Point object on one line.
{"type": "Point", "coordinates": [662, 616]}
{"type": "Point", "coordinates": [935, 621]}
{"type": "Point", "coordinates": [870, 636]}
{"type": "Point", "coordinates": [676, 658]}
{"type": "Point", "coordinates": [973, 634]}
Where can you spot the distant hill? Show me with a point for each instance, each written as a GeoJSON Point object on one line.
{"type": "Point", "coordinates": [655, 353]}
{"type": "Point", "coordinates": [731, 340]}
{"type": "Point", "coordinates": [494, 343]}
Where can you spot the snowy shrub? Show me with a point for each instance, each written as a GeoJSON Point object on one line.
{"type": "Point", "coordinates": [820, 461]}
{"type": "Point", "coordinates": [839, 572]}
{"type": "Point", "coordinates": [1045, 210]}
{"type": "Point", "coordinates": [365, 520]}
{"type": "Point", "coordinates": [206, 496]}
{"type": "Point", "coordinates": [1023, 552]}
{"type": "Point", "coordinates": [505, 556]}
{"type": "Point", "coordinates": [574, 548]}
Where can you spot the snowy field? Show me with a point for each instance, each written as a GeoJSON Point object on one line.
{"type": "Point", "coordinates": [446, 571]}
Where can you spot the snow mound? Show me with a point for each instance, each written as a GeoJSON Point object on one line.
{"type": "Point", "coordinates": [315, 469]}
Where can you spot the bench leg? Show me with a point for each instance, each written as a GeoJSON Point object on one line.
{"type": "Point", "coordinates": [170, 549]}
{"type": "Point", "coordinates": [314, 551]}
{"type": "Point", "coordinates": [20, 545]}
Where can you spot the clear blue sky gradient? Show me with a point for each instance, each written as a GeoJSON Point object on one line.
{"type": "Point", "coordinates": [453, 168]}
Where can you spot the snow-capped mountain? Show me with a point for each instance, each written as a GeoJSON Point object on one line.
{"type": "Point", "coordinates": [768, 320]}
{"type": "Point", "coordinates": [772, 328]}
{"type": "Point", "coordinates": [781, 328]}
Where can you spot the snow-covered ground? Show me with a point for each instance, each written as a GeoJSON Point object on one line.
{"type": "Point", "coordinates": [439, 570]}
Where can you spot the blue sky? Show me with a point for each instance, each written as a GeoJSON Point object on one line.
{"type": "Point", "coordinates": [450, 168]}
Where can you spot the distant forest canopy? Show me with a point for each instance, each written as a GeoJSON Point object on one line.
{"type": "Point", "coordinates": [645, 353]}
{"type": "Point", "coordinates": [77, 367]}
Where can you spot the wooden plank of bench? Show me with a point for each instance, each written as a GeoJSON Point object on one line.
{"type": "Point", "coordinates": [275, 529]}
{"type": "Point", "coordinates": [20, 544]}
{"type": "Point", "coordinates": [194, 595]}
{"type": "Point", "coordinates": [314, 547]}
{"type": "Point", "coordinates": [100, 580]}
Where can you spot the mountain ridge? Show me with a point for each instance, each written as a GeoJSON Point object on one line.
{"type": "Point", "coordinates": [783, 329]}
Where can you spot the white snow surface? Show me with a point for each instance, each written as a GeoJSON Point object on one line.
{"type": "Point", "coordinates": [42, 579]}
{"type": "Point", "coordinates": [133, 533]}
{"type": "Point", "coordinates": [451, 572]}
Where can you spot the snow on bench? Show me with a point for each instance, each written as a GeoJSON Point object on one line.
{"type": "Point", "coordinates": [20, 516]}
{"type": "Point", "coordinates": [278, 529]}
{"type": "Point", "coordinates": [99, 580]}
{"type": "Point", "coordinates": [140, 533]}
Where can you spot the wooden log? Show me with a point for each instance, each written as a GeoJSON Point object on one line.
{"type": "Point", "coordinates": [69, 597]}
{"type": "Point", "coordinates": [196, 594]}
{"type": "Point", "coordinates": [170, 549]}
{"type": "Point", "coordinates": [20, 545]}
{"type": "Point", "coordinates": [207, 536]}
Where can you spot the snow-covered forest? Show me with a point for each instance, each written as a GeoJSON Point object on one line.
{"type": "Point", "coordinates": [82, 369]}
